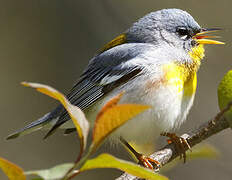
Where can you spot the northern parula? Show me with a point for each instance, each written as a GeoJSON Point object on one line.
{"type": "Point", "coordinates": [154, 63]}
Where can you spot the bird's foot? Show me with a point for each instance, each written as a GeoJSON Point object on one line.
{"type": "Point", "coordinates": [143, 160]}
{"type": "Point", "coordinates": [148, 162]}
{"type": "Point", "coordinates": [180, 144]}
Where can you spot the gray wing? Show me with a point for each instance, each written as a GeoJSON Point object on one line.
{"type": "Point", "coordinates": [104, 73]}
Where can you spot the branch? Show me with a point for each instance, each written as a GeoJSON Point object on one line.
{"type": "Point", "coordinates": [206, 130]}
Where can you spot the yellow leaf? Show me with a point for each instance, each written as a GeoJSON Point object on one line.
{"type": "Point", "coordinates": [12, 171]}
{"type": "Point", "coordinates": [108, 161]}
{"type": "Point", "coordinates": [113, 116]}
{"type": "Point", "coordinates": [76, 114]}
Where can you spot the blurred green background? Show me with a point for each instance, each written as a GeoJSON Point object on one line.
{"type": "Point", "coordinates": [51, 42]}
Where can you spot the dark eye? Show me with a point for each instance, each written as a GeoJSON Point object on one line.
{"type": "Point", "coordinates": [183, 32]}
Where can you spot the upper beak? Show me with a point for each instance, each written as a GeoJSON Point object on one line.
{"type": "Point", "coordinates": [201, 36]}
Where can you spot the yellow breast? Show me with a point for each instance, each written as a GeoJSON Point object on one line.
{"type": "Point", "coordinates": [183, 80]}
{"type": "Point", "coordinates": [182, 76]}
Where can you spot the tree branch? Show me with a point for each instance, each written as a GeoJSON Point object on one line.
{"type": "Point", "coordinates": [206, 130]}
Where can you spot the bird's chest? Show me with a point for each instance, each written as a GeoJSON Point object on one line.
{"type": "Point", "coordinates": [172, 96]}
{"type": "Point", "coordinates": [181, 79]}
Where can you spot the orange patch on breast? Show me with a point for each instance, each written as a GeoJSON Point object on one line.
{"type": "Point", "coordinates": [181, 79]}
{"type": "Point", "coordinates": [155, 84]}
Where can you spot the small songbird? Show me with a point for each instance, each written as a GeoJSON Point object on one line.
{"type": "Point", "coordinates": [154, 62]}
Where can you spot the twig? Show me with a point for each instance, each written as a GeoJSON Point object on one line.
{"type": "Point", "coordinates": [206, 130]}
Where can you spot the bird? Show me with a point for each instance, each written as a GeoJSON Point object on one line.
{"type": "Point", "coordinates": [154, 62]}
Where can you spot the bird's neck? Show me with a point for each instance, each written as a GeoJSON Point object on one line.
{"type": "Point", "coordinates": [197, 53]}
{"type": "Point", "coordinates": [184, 73]}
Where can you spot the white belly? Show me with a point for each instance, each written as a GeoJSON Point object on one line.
{"type": "Point", "coordinates": [169, 110]}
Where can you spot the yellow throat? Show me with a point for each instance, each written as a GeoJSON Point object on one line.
{"type": "Point", "coordinates": [197, 53]}
{"type": "Point", "coordinates": [183, 77]}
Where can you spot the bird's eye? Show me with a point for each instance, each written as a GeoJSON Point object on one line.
{"type": "Point", "coordinates": [183, 32]}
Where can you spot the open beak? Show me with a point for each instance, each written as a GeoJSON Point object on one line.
{"type": "Point", "coordinates": [201, 37]}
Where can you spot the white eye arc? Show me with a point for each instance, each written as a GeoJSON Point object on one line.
{"type": "Point", "coordinates": [183, 32]}
{"type": "Point", "coordinates": [184, 37]}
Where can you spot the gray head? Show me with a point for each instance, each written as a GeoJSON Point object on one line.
{"type": "Point", "coordinates": [173, 26]}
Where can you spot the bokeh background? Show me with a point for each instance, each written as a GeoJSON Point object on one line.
{"type": "Point", "coordinates": [51, 42]}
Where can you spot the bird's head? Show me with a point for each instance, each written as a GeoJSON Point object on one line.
{"type": "Point", "coordinates": [174, 27]}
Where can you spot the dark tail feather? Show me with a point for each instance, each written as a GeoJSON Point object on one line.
{"type": "Point", "coordinates": [36, 125]}
{"type": "Point", "coordinates": [51, 131]}
{"type": "Point", "coordinates": [54, 128]}
{"type": "Point", "coordinates": [69, 131]}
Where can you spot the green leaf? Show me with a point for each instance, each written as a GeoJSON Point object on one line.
{"type": "Point", "coordinates": [111, 117]}
{"type": "Point", "coordinates": [54, 173]}
{"type": "Point", "coordinates": [108, 161]}
{"type": "Point", "coordinates": [225, 90]}
{"type": "Point", "coordinates": [76, 114]}
{"type": "Point", "coordinates": [225, 95]}
{"type": "Point", "coordinates": [12, 171]}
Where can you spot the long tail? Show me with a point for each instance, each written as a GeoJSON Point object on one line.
{"type": "Point", "coordinates": [42, 122]}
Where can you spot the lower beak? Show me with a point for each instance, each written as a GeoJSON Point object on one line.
{"type": "Point", "coordinates": [201, 37]}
